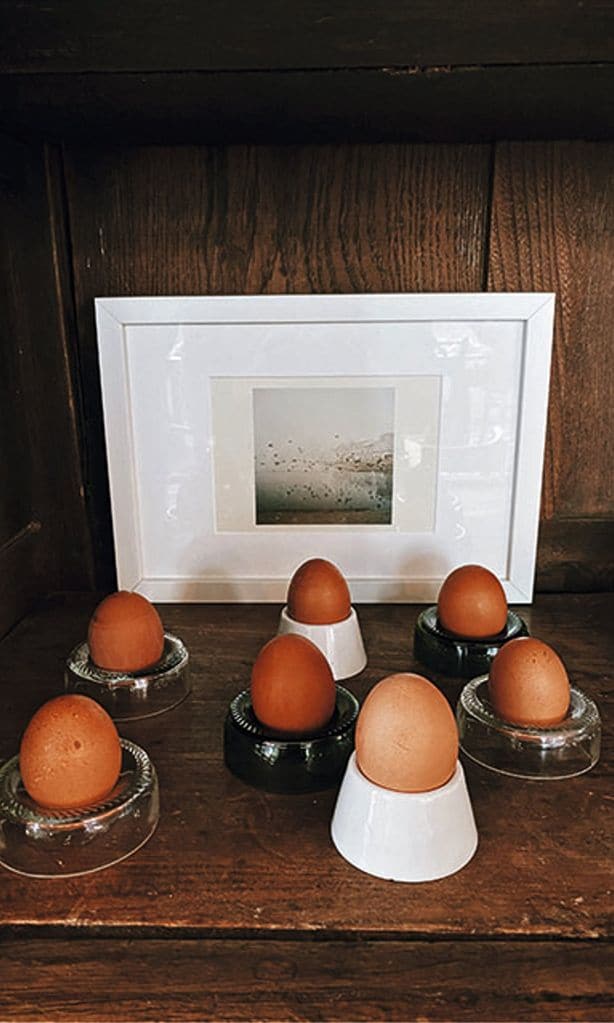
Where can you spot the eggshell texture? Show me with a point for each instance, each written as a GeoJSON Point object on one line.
{"type": "Point", "coordinates": [318, 594]}
{"type": "Point", "coordinates": [472, 603]}
{"type": "Point", "coordinates": [125, 633]}
{"type": "Point", "coordinates": [528, 683]}
{"type": "Point", "coordinates": [292, 690]}
{"type": "Point", "coordinates": [406, 735]}
{"type": "Point", "coordinates": [70, 754]}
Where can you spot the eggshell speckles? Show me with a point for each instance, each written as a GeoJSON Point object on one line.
{"type": "Point", "coordinates": [125, 633]}
{"type": "Point", "coordinates": [70, 754]}
{"type": "Point", "coordinates": [292, 688]}
{"type": "Point", "coordinates": [472, 603]}
{"type": "Point", "coordinates": [406, 735]}
{"type": "Point", "coordinates": [318, 594]}
{"type": "Point", "coordinates": [528, 683]}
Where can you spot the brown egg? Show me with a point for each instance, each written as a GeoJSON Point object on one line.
{"type": "Point", "coordinates": [70, 754]}
{"type": "Point", "coordinates": [528, 684]}
{"type": "Point", "coordinates": [318, 594]}
{"type": "Point", "coordinates": [472, 603]}
{"type": "Point", "coordinates": [406, 735]}
{"type": "Point", "coordinates": [292, 689]}
{"type": "Point", "coordinates": [125, 633]}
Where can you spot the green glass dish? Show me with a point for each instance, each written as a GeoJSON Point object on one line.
{"type": "Point", "coordinates": [277, 763]}
{"type": "Point", "coordinates": [451, 655]}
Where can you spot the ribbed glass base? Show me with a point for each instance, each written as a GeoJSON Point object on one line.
{"type": "Point", "coordinates": [547, 754]}
{"type": "Point", "coordinates": [280, 764]}
{"type": "Point", "coordinates": [453, 655]}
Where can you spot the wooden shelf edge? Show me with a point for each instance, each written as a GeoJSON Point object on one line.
{"type": "Point", "coordinates": [448, 104]}
{"type": "Point", "coordinates": [267, 980]}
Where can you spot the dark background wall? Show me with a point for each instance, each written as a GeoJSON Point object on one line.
{"type": "Point", "coordinates": [89, 207]}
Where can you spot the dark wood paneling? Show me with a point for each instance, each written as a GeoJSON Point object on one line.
{"type": "Point", "coordinates": [17, 501]}
{"type": "Point", "coordinates": [231, 861]}
{"type": "Point", "coordinates": [23, 568]}
{"type": "Point", "coordinates": [553, 230]}
{"type": "Point", "coordinates": [251, 220]}
{"type": "Point", "coordinates": [298, 980]}
{"type": "Point", "coordinates": [72, 35]}
{"type": "Point", "coordinates": [247, 219]}
{"type": "Point", "coordinates": [44, 539]}
{"type": "Point", "coordinates": [576, 555]}
{"type": "Point", "coordinates": [460, 104]}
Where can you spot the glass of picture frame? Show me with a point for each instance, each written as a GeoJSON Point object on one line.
{"type": "Point", "coordinates": [397, 435]}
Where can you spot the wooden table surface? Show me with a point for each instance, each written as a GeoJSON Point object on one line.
{"type": "Point", "coordinates": [240, 908]}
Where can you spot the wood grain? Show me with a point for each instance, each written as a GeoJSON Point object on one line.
{"type": "Point", "coordinates": [552, 229]}
{"type": "Point", "coordinates": [43, 532]}
{"type": "Point", "coordinates": [23, 575]}
{"type": "Point", "coordinates": [247, 219]}
{"type": "Point", "coordinates": [16, 505]}
{"type": "Point", "coordinates": [172, 980]}
{"type": "Point", "coordinates": [65, 35]}
{"type": "Point", "coordinates": [389, 104]}
{"type": "Point", "coordinates": [253, 220]}
{"type": "Point", "coordinates": [231, 861]}
{"type": "Point", "coordinates": [575, 555]}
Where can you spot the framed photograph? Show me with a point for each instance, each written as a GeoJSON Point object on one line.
{"type": "Point", "coordinates": [398, 436]}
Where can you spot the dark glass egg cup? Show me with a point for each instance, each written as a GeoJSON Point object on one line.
{"type": "Point", "coordinates": [548, 753]}
{"type": "Point", "coordinates": [131, 695]}
{"type": "Point", "coordinates": [448, 654]}
{"type": "Point", "coordinates": [285, 764]}
{"type": "Point", "coordinates": [41, 842]}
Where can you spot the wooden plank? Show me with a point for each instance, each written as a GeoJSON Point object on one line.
{"type": "Point", "coordinates": [448, 104]}
{"type": "Point", "coordinates": [254, 220]}
{"type": "Point", "coordinates": [229, 860]}
{"type": "Point", "coordinates": [16, 484]}
{"type": "Point", "coordinates": [23, 558]}
{"type": "Point", "coordinates": [575, 555]}
{"type": "Point", "coordinates": [68, 35]}
{"type": "Point", "coordinates": [144, 981]}
{"type": "Point", "coordinates": [552, 229]}
{"type": "Point", "coordinates": [44, 531]}
{"type": "Point", "coordinates": [16, 504]}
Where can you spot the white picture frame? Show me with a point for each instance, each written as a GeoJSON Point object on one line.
{"type": "Point", "coordinates": [472, 372]}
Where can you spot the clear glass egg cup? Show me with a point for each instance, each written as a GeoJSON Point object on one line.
{"type": "Point", "coordinates": [126, 695]}
{"type": "Point", "coordinates": [41, 842]}
{"type": "Point", "coordinates": [447, 654]}
{"type": "Point", "coordinates": [525, 751]}
{"type": "Point", "coordinates": [278, 763]}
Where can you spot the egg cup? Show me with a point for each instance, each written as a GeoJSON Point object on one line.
{"type": "Point", "coordinates": [277, 763]}
{"type": "Point", "coordinates": [40, 842]}
{"type": "Point", "coordinates": [448, 654]}
{"type": "Point", "coordinates": [404, 836]}
{"type": "Point", "coordinates": [526, 751]}
{"type": "Point", "coordinates": [340, 642]}
{"type": "Point", "coordinates": [128, 695]}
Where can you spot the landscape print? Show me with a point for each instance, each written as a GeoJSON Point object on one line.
{"type": "Point", "coordinates": [323, 455]}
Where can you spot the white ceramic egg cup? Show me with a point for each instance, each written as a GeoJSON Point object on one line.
{"type": "Point", "coordinates": [404, 836]}
{"type": "Point", "coordinates": [340, 642]}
